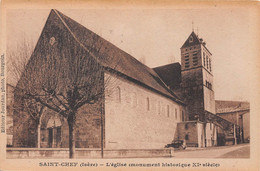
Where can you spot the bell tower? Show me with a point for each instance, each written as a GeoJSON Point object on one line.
{"type": "Point", "coordinates": [197, 78]}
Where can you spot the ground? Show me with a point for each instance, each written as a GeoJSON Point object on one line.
{"type": "Point", "coordinates": [234, 151]}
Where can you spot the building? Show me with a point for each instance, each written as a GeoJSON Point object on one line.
{"type": "Point", "coordinates": [142, 107]}
{"type": "Point", "coordinates": [238, 113]}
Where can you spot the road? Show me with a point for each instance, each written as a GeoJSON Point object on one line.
{"type": "Point", "coordinates": [234, 151]}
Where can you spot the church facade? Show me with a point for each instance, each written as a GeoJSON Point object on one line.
{"type": "Point", "coordinates": [142, 108]}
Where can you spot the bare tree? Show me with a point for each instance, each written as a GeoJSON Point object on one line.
{"type": "Point", "coordinates": [17, 60]}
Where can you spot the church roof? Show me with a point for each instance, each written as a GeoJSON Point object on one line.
{"type": "Point", "coordinates": [125, 64]}
{"type": "Point", "coordinates": [170, 74]}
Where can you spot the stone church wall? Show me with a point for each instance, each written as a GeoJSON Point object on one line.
{"type": "Point", "coordinates": [138, 118]}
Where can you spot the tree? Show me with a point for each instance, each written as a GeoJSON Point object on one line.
{"type": "Point", "coordinates": [17, 60]}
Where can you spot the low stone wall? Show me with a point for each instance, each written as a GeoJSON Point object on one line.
{"type": "Point", "coordinates": [12, 153]}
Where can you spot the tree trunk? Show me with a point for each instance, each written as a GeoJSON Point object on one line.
{"type": "Point", "coordinates": [39, 136]}
{"type": "Point", "coordinates": [71, 123]}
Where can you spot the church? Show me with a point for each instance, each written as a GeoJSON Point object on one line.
{"type": "Point", "coordinates": [142, 108]}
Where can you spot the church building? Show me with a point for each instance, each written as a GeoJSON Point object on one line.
{"type": "Point", "coordinates": [142, 108]}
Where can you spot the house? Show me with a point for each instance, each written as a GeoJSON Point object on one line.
{"type": "Point", "coordinates": [238, 113]}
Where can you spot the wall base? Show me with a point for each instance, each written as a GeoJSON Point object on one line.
{"type": "Point", "coordinates": [12, 153]}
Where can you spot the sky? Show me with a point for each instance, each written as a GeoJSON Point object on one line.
{"type": "Point", "coordinates": [157, 35]}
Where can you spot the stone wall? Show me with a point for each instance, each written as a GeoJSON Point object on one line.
{"type": "Point", "coordinates": [32, 153]}
{"type": "Point", "coordinates": [87, 129]}
{"type": "Point", "coordinates": [188, 131]}
{"type": "Point", "coordinates": [138, 118]}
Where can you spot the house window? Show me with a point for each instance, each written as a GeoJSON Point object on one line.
{"type": "Point", "coordinates": [168, 110]}
{"type": "Point", "coordinates": [147, 104]}
{"type": "Point", "coordinates": [176, 114]}
{"type": "Point", "coordinates": [186, 137]}
{"type": "Point", "coordinates": [118, 94]}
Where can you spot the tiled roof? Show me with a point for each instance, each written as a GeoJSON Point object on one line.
{"type": "Point", "coordinates": [124, 62]}
{"type": "Point", "coordinates": [170, 74]}
{"type": "Point", "coordinates": [231, 106]}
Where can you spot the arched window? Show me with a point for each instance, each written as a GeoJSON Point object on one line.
{"type": "Point", "coordinates": [147, 104]}
{"type": "Point", "coordinates": [118, 94]}
{"type": "Point", "coordinates": [168, 110]}
{"type": "Point", "coordinates": [159, 107]}
{"type": "Point", "coordinates": [134, 100]}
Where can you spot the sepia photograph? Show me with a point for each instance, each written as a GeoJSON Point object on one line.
{"type": "Point", "coordinates": [152, 83]}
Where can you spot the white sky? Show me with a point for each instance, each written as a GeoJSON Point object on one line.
{"type": "Point", "coordinates": [158, 34]}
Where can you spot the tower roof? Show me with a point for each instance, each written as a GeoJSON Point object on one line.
{"type": "Point", "coordinates": [195, 40]}
{"type": "Point", "coordinates": [192, 40]}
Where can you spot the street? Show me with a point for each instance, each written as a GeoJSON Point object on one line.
{"type": "Point", "coordinates": [234, 151]}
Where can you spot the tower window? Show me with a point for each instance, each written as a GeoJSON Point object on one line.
{"type": "Point", "coordinates": [195, 58]}
{"type": "Point", "coordinates": [210, 64]}
{"type": "Point", "coordinates": [186, 58]}
{"type": "Point", "coordinates": [207, 62]}
{"type": "Point", "coordinates": [191, 39]}
{"type": "Point", "coordinates": [204, 59]}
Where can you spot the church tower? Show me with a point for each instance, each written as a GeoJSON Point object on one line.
{"type": "Point", "coordinates": [197, 78]}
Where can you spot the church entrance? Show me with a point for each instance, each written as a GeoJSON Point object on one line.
{"type": "Point", "coordinates": [54, 132]}
{"type": "Point", "coordinates": [54, 137]}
